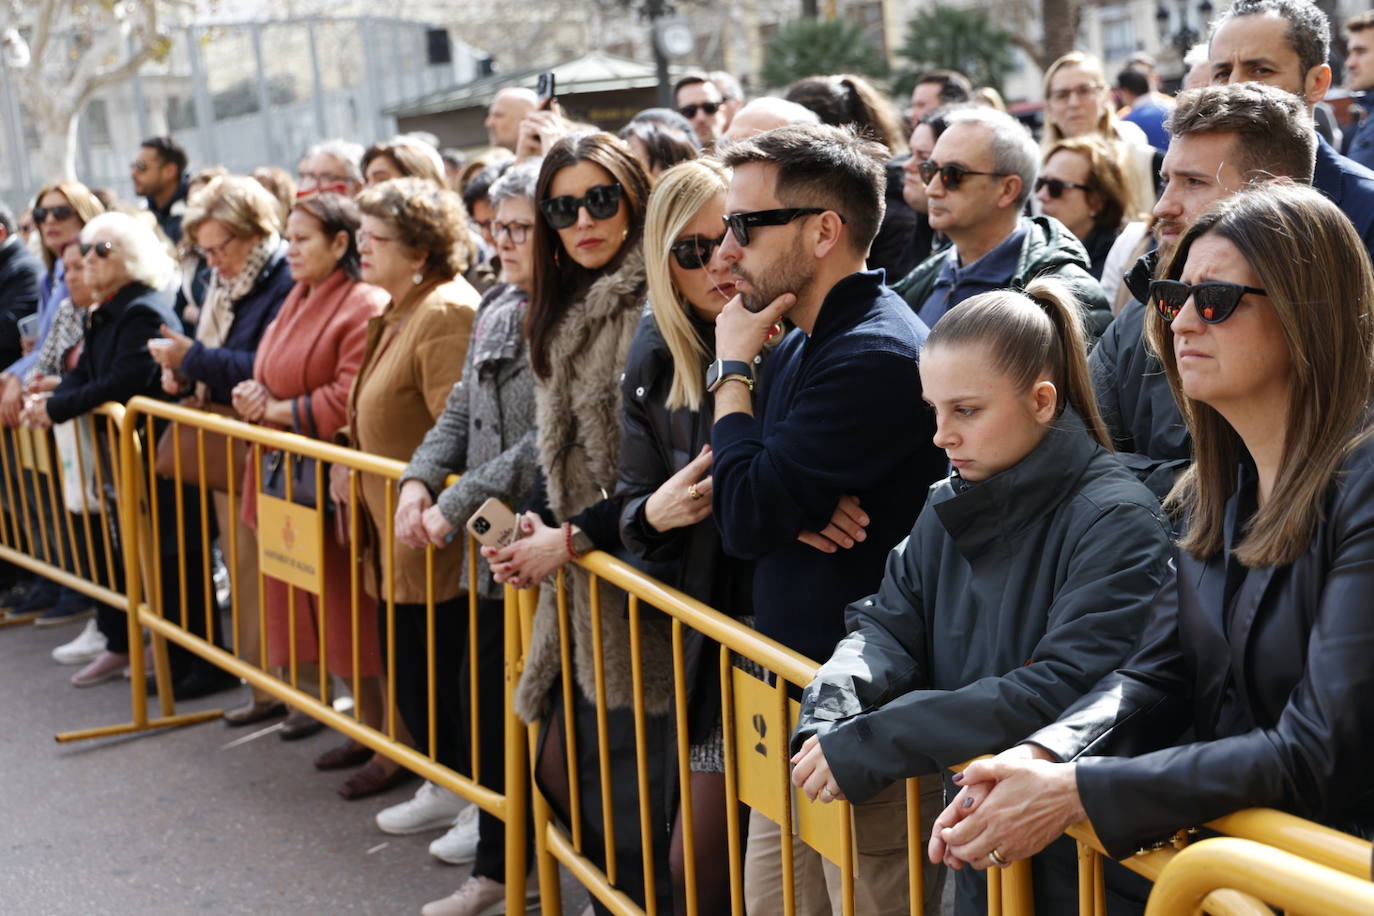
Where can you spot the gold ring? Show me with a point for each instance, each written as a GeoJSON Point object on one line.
{"type": "Point", "coordinates": [995, 858]}
{"type": "Point", "coordinates": [693, 492]}
{"type": "Point", "coordinates": [827, 795]}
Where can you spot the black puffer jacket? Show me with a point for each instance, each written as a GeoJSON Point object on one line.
{"type": "Point", "coordinates": [1009, 600]}
{"type": "Point", "coordinates": [20, 272]}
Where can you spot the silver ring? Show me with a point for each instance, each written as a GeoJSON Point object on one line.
{"type": "Point", "coordinates": [693, 492]}
{"type": "Point", "coordinates": [995, 858]}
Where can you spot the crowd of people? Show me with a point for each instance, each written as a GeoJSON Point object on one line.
{"type": "Point", "coordinates": [1054, 449]}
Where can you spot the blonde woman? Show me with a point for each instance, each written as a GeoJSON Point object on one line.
{"type": "Point", "coordinates": [665, 473]}
{"type": "Point", "coordinates": [1078, 103]}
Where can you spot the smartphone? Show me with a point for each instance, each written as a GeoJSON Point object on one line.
{"type": "Point", "coordinates": [494, 524]}
{"type": "Point", "coordinates": [546, 89]}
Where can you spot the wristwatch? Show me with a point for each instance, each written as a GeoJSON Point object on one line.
{"type": "Point", "coordinates": [723, 370]}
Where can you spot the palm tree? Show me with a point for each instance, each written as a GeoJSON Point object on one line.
{"type": "Point", "coordinates": [809, 47]}
{"type": "Point", "coordinates": [942, 37]}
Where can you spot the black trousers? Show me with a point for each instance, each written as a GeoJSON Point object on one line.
{"type": "Point", "coordinates": [182, 574]}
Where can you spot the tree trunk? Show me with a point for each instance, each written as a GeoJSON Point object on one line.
{"type": "Point", "coordinates": [1060, 19]}
{"type": "Point", "coordinates": [56, 140]}
{"type": "Point", "coordinates": [811, 9]}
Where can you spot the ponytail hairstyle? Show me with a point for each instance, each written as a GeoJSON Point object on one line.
{"type": "Point", "coordinates": [1030, 335]}
{"type": "Point", "coordinates": [849, 99]}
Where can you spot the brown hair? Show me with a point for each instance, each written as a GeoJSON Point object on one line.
{"type": "Point", "coordinates": [558, 279]}
{"type": "Point", "coordinates": [1032, 335]}
{"type": "Point", "coordinates": [427, 217]}
{"type": "Point", "coordinates": [1106, 121]}
{"type": "Point", "coordinates": [413, 159]}
{"type": "Point", "coordinates": [335, 213]}
{"type": "Point", "coordinates": [849, 99]}
{"type": "Point", "coordinates": [79, 198]}
{"type": "Point", "coordinates": [279, 184]}
{"type": "Point", "coordinates": [1311, 262]}
{"type": "Point", "coordinates": [1106, 177]}
{"type": "Point", "coordinates": [1358, 23]}
{"type": "Point", "coordinates": [1273, 132]}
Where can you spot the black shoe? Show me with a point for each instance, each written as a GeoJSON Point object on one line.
{"type": "Point", "coordinates": [202, 683]}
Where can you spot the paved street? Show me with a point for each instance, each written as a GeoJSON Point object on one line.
{"type": "Point", "coordinates": [184, 820]}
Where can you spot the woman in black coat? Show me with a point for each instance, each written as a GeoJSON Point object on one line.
{"type": "Point", "coordinates": [1250, 684]}
{"type": "Point", "coordinates": [1025, 579]}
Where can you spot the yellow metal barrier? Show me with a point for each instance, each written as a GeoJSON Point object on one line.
{"type": "Point", "coordinates": [166, 618]}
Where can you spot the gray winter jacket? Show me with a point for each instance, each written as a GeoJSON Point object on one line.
{"type": "Point", "coordinates": [486, 432]}
{"type": "Point", "coordinates": [1009, 600]}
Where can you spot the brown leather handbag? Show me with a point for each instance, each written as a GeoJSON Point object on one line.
{"type": "Point", "coordinates": [182, 438]}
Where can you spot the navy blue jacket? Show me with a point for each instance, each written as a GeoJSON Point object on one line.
{"type": "Point", "coordinates": [115, 363]}
{"type": "Point", "coordinates": [20, 276]}
{"type": "Point", "coordinates": [839, 412]}
{"type": "Point", "coordinates": [225, 366]}
{"type": "Point", "coordinates": [1350, 187]}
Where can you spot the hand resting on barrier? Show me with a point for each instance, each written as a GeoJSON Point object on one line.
{"type": "Point", "coordinates": [43, 383]}
{"type": "Point", "coordinates": [847, 526]}
{"type": "Point", "coordinates": [811, 772]}
{"type": "Point", "coordinates": [410, 509]}
{"type": "Point", "coordinates": [250, 399]}
{"type": "Point", "coordinates": [35, 414]}
{"type": "Point", "coordinates": [531, 559]}
{"type": "Point", "coordinates": [11, 400]}
{"type": "Point", "coordinates": [438, 529]}
{"type": "Point", "coordinates": [338, 484]}
{"type": "Point", "coordinates": [1016, 803]}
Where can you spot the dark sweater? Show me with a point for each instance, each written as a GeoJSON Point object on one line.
{"type": "Point", "coordinates": [839, 412]}
{"type": "Point", "coordinates": [20, 274]}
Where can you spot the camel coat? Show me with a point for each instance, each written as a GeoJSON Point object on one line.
{"type": "Point", "coordinates": [413, 357]}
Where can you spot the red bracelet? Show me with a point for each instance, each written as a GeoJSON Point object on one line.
{"type": "Point", "coordinates": [568, 540]}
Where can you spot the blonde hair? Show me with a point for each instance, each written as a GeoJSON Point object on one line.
{"type": "Point", "coordinates": [240, 203]}
{"type": "Point", "coordinates": [1106, 177]}
{"type": "Point", "coordinates": [79, 198]}
{"type": "Point", "coordinates": [1106, 121]}
{"type": "Point", "coordinates": [1310, 261]}
{"type": "Point", "coordinates": [680, 192]}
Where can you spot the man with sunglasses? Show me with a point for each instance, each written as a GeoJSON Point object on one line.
{"type": "Point", "coordinates": [1224, 138]}
{"type": "Point", "coordinates": [818, 475]}
{"type": "Point", "coordinates": [698, 100]}
{"type": "Point", "coordinates": [159, 175]}
{"type": "Point", "coordinates": [978, 178]}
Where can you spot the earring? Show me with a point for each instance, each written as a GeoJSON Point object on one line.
{"type": "Point", "coordinates": [417, 278]}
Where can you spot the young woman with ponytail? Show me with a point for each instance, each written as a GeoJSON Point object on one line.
{"type": "Point", "coordinates": [1026, 578]}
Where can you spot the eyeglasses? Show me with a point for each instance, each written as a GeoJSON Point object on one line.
{"type": "Point", "coordinates": [516, 232]}
{"type": "Point", "coordinates": [365, 237]}
{"type": "Point", "coordinates": [61, 213]}
{"type": "Point", "coordinates": [951, 175]}
{"type": "Point", "coordinates": [317, 179]}
{"type": "Point", "coordinates": [694, 253]}
{"type": "Point", "coordinates": [740, 223]}
{"type": "Point", "coordinates": [1057, 187]}
{"type": "Point", "coordinates": [102, 249]}
{"type": "Point", "coordinates": [1086, 90]}
{"type": "Point", "coordinates": [601, 201]}
{"type": "Point", "coordinates": [1215, 300]}
{"type": "Point", "coordinates": [690, 111]}
{"type": "Point", "coordinates": [214, 251]}
{"type": "Point", "coordinates": [138, 165]}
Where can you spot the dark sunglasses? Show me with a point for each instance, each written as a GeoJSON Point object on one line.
{"type": "Point", "coordinates": [690, 111]}
{"type": "Point", "coordinates": [60, 213]}
{"type": "Point", "coordinates": [601, 201]}
{"type": "Point", "coordinates": [1214, 300]}
{"type": "Point", "coordinates": [694, 253]}
{"type": "Point", "coordinates": [950, 175]}
{"type": "Point", "coordinates": [102, 249]}
{"type": "Point", "coordinates": [1057, 187]}
{"type": "Point", "coordinates": [741, 223]}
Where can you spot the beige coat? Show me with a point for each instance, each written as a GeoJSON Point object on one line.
{"type": "Point", "coordinates": [414, 355]}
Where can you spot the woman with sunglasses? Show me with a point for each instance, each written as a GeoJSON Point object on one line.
{"type": "Point", "coordinates": [1025, 578]}
{"type": "Point", "coordinates": [665, 477]}
{"type": "Point", "coordinates": [1083, 185]}
{"type": "Point", "coordinates": [586, 301]}
{"type": "Point", "coordinates": [60, 211]}
{"type": "Point", "coordinates": [1249, 685]}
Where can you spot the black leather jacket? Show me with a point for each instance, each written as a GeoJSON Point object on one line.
{"type": "Point", "coordinates": [1269, 675]}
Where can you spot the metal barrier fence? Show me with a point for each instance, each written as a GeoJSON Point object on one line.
{"type": "Point", "coordinates": [135, 523]}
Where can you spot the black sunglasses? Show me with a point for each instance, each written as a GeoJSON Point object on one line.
{"type": "Point", "coordinates": [60, 213]}
{"type": "Point", "coordinates": [601, 201]}
{"type": "Point", "coordinates": [741, 223]}
{"type": "Point", "coordinates": [694, 253]}
{"type": "Point", "coordinates": [1057, 187]}
{"type": "Point", "coordinates": [950, 175]}
{"type": "Point", "coordinates": [690, 111]}
{"type": "Point", "coordinates": [1214, 300]}
{"type": "Point", "coordinates": [102, 249]}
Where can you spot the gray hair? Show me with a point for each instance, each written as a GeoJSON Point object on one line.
{"type": "Point", "coordinates": [347, 152]}
{"type": "Point", "coordinates": [1197, 54]}
{"type": "Point", "coordinates": [1014, 150]}
{"type": "Point", "coordinates": [144, 256]}
{"type": "Point", "coordinates": [519, 180]}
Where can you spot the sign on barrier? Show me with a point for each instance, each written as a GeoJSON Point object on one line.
{"type": "Point", "coordinates": [290, 547]}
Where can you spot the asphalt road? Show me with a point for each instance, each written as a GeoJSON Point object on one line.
{"type": "Point", "coordinates": [189, 820]}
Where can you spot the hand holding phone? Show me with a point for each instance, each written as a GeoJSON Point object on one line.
{"type": "Point", "coordinates": [494, 524]}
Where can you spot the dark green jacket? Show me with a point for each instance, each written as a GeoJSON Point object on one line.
{"type": "Point", "coordinates": [1049, 250]}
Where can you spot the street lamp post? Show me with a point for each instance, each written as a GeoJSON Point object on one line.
{"type": "Point", "coordinates": [1184, 35]}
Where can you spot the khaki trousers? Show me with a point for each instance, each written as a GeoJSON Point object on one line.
{"type": "Point", "coordinates": [880, 884]}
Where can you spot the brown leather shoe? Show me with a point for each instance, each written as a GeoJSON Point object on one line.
{"type": "Point", "coordinates": [373, 780]}
{"type": "Point", "coordinates": [254, 711]}
{"type": "Point", "coordinates": [348, 754]}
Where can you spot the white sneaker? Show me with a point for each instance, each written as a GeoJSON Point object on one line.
{"type": "Point", "coordinates": [431, 808]}
{"type": "Point", "coordinates": [459, 845]}
{"type": "Point", "coordinates": [477, 897]}
{"type": "Point", "coordinates": [85, 648]}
